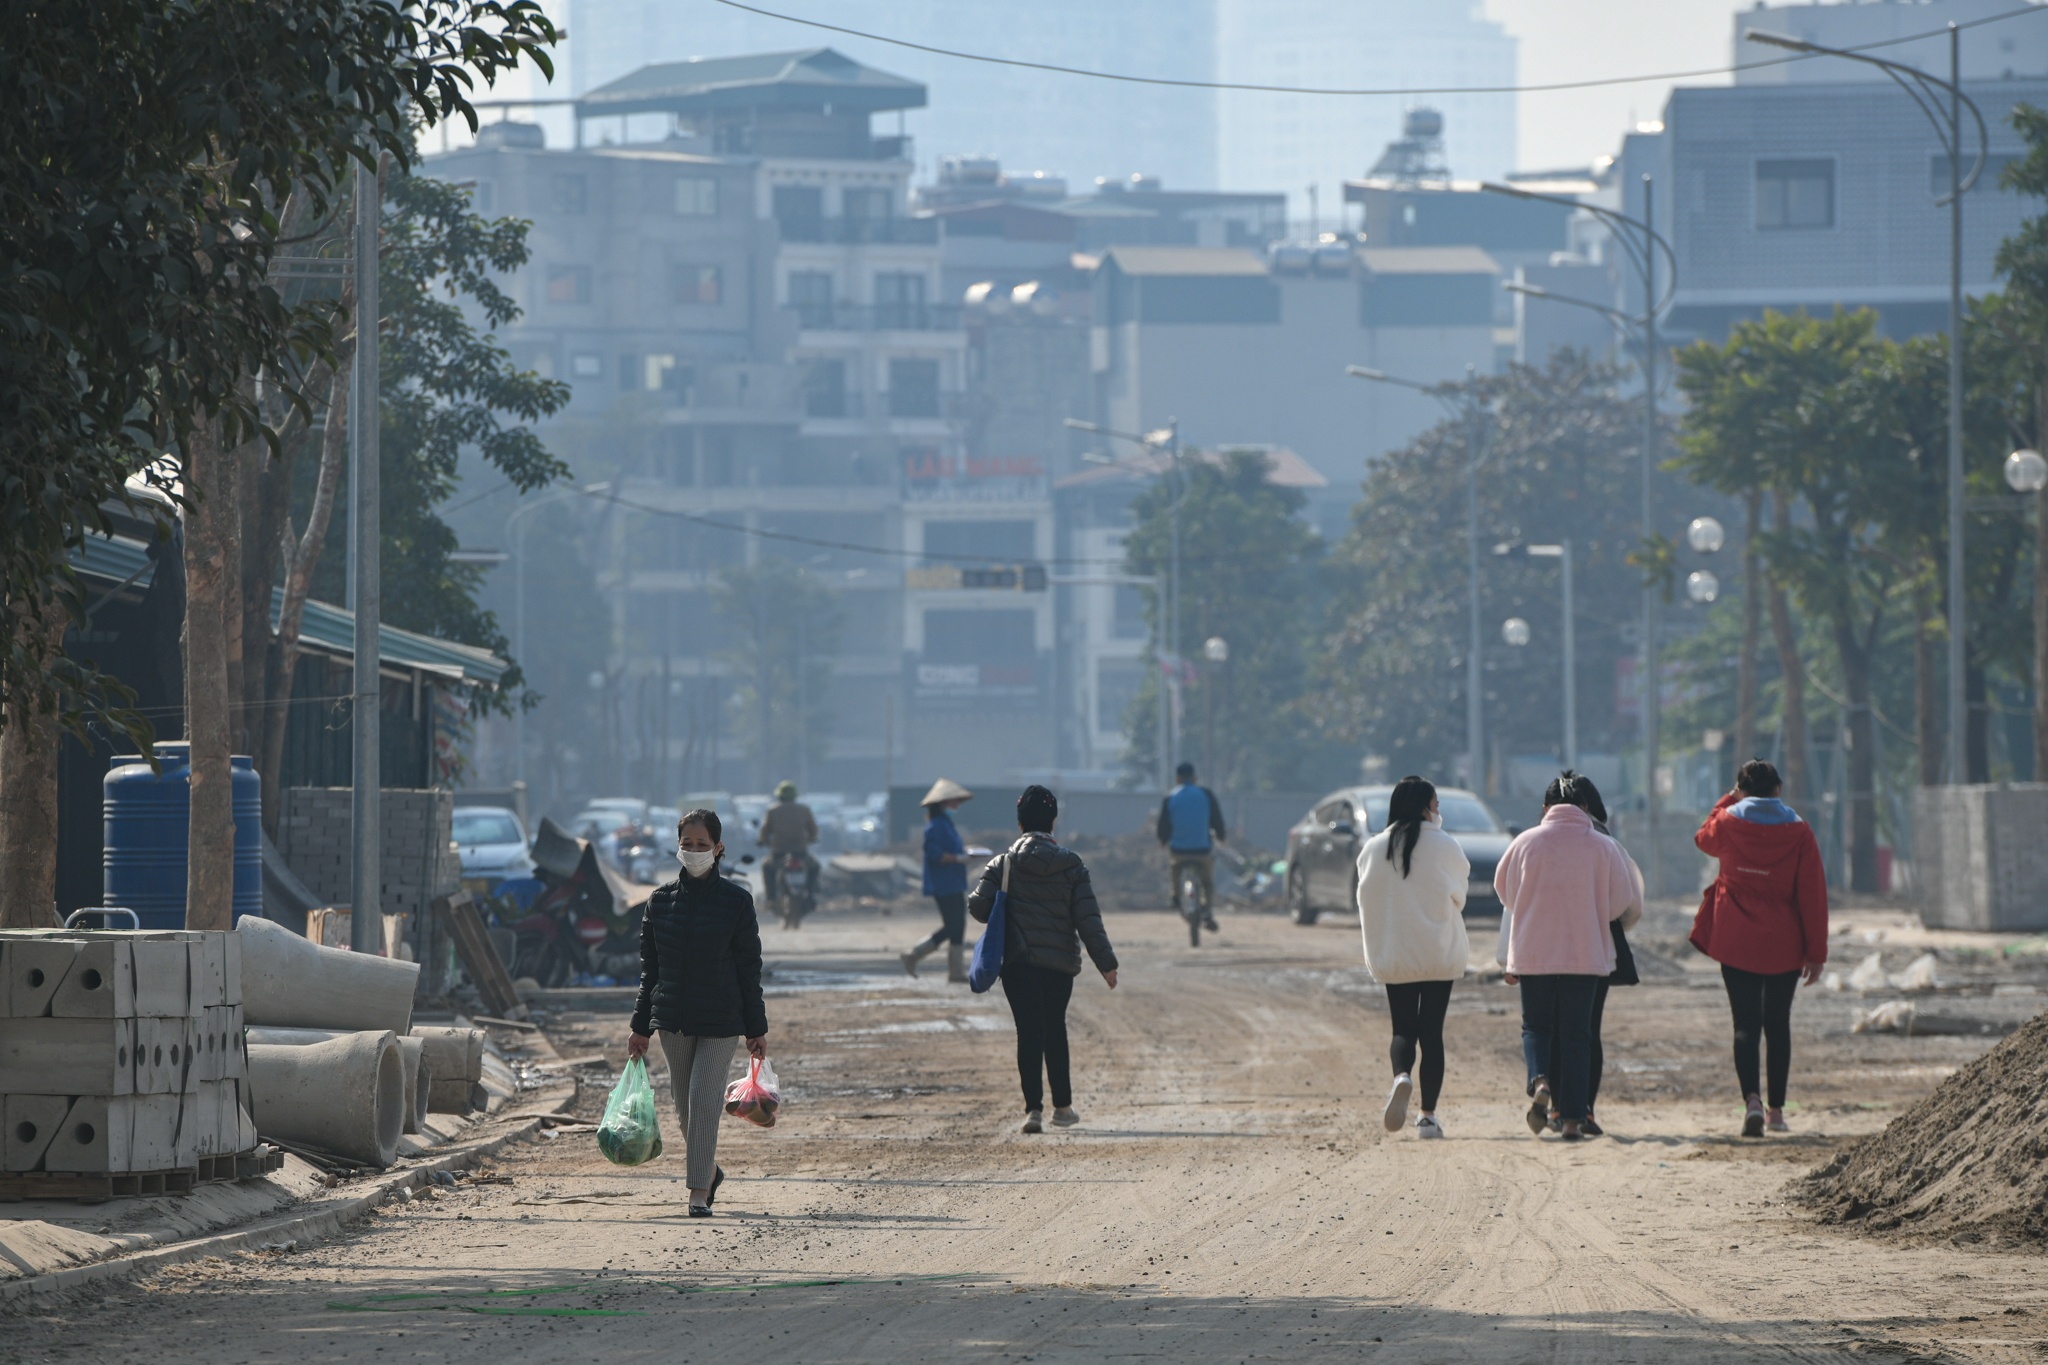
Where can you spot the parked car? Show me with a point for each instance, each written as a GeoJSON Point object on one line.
{"type": "Point", "coordinates": [1322, 848]}
{"type": "Point", "coordinates": [492, 845]}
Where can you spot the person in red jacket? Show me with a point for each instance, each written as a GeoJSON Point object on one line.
{"type": "Point", "coordinates": [1765, 920]}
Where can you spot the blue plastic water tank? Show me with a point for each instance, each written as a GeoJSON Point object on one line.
{"type": "Point", "coordinates": [148, 818]}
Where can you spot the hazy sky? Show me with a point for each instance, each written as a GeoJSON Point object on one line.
{"type": "Point", "coordinates": [1565, 40]}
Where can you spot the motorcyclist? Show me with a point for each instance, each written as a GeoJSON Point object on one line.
{"type": "Point", "coordinates": [786, 827]}
{"type": "Point", "coordinates": [1190, 827]}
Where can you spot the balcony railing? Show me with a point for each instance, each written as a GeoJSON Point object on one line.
{"type": "Point", "coordinates": [861, 231]}
{"type": "Point", "coordinates": [877, 317]}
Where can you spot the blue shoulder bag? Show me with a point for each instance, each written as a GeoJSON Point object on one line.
{"type": "Point", "coordinates": [988, 949]}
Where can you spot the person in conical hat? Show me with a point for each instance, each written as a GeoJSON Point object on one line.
{"type": "Point", "coordinates": [945, 878]}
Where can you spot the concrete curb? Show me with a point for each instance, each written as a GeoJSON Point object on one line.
{"type": "Point", "coordinates": [296, 1228]}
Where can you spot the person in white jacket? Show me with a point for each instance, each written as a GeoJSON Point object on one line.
{"type": "Point", "coordinates": [1411, 902]}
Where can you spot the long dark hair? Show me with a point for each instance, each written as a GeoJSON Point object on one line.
{"type": "Point", "coordinates": [1407, 808]}
{"type": "Point", "coordinates": [1576, 789]}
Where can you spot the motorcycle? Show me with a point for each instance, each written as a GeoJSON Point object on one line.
{"type": "Point", "coordinates": [577, 931]}
{"type": "Point", "coordinates": [796, 888]}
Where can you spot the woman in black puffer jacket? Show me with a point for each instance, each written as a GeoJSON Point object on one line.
{"type": "Point", "coordinates": [1051, 914]}
{"type": "Point", "coordinates": [700, 987]}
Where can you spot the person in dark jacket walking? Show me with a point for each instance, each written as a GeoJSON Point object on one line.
{"type": "Point", "coordinates": [945, 878]}
{"type": "Point", "coordinates": [1765, 920]}
{"type": "Point", "coordinates": [1051, 914]}
{"type": "Point", "coordinates": [700, 989]}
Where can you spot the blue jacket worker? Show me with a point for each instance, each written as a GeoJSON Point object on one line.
{"type": "Point", "coordinates": [945, 878]}
{"type": "Point", "coordinates": [1190, 826]}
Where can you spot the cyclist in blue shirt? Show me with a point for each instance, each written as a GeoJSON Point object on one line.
{"type": "Point", "coordinates": [1190, 826]}
{"type": "Point", "coordinates": [945, 879]}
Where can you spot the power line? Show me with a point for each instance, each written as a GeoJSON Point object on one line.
{"type": "Point", "coordinates": [1333, 90]}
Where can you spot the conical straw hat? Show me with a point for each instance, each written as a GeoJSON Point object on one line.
{"type": "Point", "coordinates": [945, 789]}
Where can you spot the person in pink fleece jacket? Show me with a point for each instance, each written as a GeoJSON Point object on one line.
{"type": "Point", "coordinates": [1561, 885]}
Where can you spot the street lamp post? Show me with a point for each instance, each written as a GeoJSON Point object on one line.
{"type": "Point", "coordinates": [1477, 431]}
{"type": "Point", "coordinates": [1216, 650]}
{"type": "Point", "coordinates": [2027, 473]}
{"type": "Point", "coordinates": [1642, 242]}
{"type": "Point", "coordinates": [1927, 91]}
{"type": "Point", "coordinates": [1562, 552]}
{"type": "Point", "coordinates": [1167, 645]}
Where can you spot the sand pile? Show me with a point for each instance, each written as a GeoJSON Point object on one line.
{"type": "Point", "coordinates": [1969, 1162]}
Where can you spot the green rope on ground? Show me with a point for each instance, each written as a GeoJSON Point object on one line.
{"type": "Point", "coordinates": [811, 1284]}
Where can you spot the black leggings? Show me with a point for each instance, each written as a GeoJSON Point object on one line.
{"type": "Point", "coordinates": [1038, 999]}
{"type": "Point", "coordinates": [1418, 1008]}
{"type": "Point", "coordinates": [1762, 1005]}
{"type": "Point", "coordinates": [952, 920]}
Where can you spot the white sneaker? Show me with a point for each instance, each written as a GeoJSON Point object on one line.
{"type": "Point", "coordinates": [1428, 1127]}
{"type": "Point", "coordinates": [1397, 1103]}
{"type": "Point", "coordinates": [1034, 1122]}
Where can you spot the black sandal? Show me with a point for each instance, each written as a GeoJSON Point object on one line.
{"type": "Point", "coordinates": [717, 1179]}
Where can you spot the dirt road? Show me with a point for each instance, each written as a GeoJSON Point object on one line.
{"type": "Point", "coordinates": [1230, 1197]}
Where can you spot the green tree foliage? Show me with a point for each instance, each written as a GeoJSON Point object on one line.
{"type": "Point", "coordinates": [1563, 460]}
{"type": "Point", "coordinates": [150, 153]}
{"type": "Point", "coordinates": [1248, 576]}
{"type": "Point", "coordinates": [781, 624]}
{"type": "Point", "coordinates": [446, 387]}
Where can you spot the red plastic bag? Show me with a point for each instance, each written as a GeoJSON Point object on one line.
{"type": "Point", "coordinates": [754, 1096]}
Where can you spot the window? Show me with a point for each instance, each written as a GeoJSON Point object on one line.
{"type": "Point", "coordinates": [867, 206]}
{"type": "Point", "coordinates": [800, 212]}
{"type": "Point", "coordinates": [584, 365]}
{"type": "Point", "coordinates": [487, 827]}
{"type": "Point", "coordinates": [1987, 182]}
{"type": "Point", "coordinates": [810, 294]}
{"type": "Point", "coordinates": [913, 388]}
{"type": "Point", "coordinates": [1127, 621]}
{"type": "Point", "coordinates": [629, 372]}
{"type": "Point", "coordinates": [571, 194]}
{"type": "Point", "coordinates": [1793, 195]}
{"type": "Point", "coordinates": [899, 300]}
{"type": "Point", "coordinates": [825, 388]}
{"type": "Point", "coordinates": [954, 636]}
{"type": "Point", "coordinates": [696, 196]}
{"type": "Point", "coordinates": [568, 284]}
{"type": "Point", "coordinates": [659, 372]}
{"type": "Point", "coordinates": [696, 285]}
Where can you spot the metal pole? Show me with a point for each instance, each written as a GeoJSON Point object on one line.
{"type": "Point", "coordinates": [366, 918]}
{"type": "Point", "coordinates": [1571, 668]}
{"type": "Point", "coordinates": [519, 648]}
{"type": "Point", "coordinates": [1475, 713]}
{"type": "Point", "coordinates": [1958, 655]}
{"type": "Point", "coordinates": [1648, 682]}
{"type": "Point", "coordinates": [1173, 619]}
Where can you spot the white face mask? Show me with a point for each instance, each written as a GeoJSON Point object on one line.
{"type": "Point", "coordinates": [697, 864]}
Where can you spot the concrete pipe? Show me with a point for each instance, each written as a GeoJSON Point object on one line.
{"type": "Point", "coordinates": [345, 1096]}
{"type": "Point", "coordinates": [419, 1082]}
{"type": "Point", "coordinates": [292, 982]}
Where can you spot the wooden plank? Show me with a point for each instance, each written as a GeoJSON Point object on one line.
{"type": "Point", "coordinates": [479, 958]}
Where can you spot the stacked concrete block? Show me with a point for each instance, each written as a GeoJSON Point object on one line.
{"type": "Point", "coordinates": [121, 1053]}
{"type": "Point", "coordinates": [315, 835]}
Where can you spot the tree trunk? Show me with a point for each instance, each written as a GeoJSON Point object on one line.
{"type": "Point", "coordinates": [300, 557]}
{"type": "Point", "coordinates": [2041, 594]}
{"type": "Point", "coordinates": [28, 795]}
{"type": "Point", "coordinates": [1792, 767]}
{"type": "Point", "coordinates": [1860, 737]}
{"type": "Point", "coordinates": [1752, 618]}
{"type": "Point", "coordinates": [1926, 685]}
{"type": "Point", "coordinates": [209, 526]}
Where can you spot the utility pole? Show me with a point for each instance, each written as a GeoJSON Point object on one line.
{"type": "Point", "coordinates": [1475, 672]}
{"type": "Point", "coordinates": [366, 906]}
{"type": "Point", "coordinates": [1650, 698]}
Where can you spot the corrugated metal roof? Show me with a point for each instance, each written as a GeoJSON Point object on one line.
{"type": "Point", "coordinates": [817, 72]}
{"type": "Point", "coordinates": [1185, 260]}
{"type": "Point", "coordinates": [1427, 260]}
{"type": "Point", "coordinates": [115, 560]}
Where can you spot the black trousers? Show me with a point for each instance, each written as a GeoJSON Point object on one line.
{"type": "Point", "coordinates": [952, 920]}
{"type": "Point", "coordinates": [1762, 1005]}
{"type": "Point", "coordinates": [1596, 1054]}
{"type": "Point", "coordinates": [1418, 1008]}
{"type": "Point", "coordinates": [1038, 999]}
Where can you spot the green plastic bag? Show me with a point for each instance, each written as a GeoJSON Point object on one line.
{"type": "Point", "coordinates": [631, 1130]}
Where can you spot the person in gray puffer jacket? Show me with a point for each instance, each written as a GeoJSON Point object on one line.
{"type": "Point", "coordinates": [1051, 914]}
